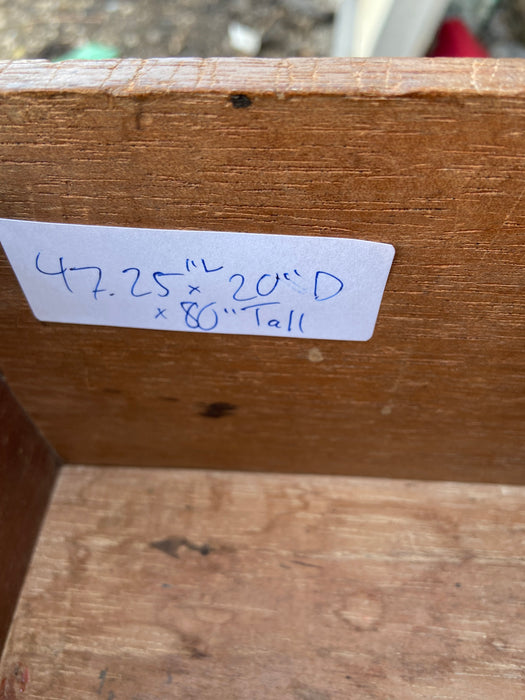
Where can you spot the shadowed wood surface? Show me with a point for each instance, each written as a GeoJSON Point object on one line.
{"type": "Point", "coordinates": [186, 584]}
{"type": "Point", "coordinates": [424, 154]}
{"type": "Point", "coordinates": [27, 473]}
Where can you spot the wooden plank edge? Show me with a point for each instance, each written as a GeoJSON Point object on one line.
{"type": "Point", "coordinates": [28, 469]}
{"type": "Point", "coordinates": [376, 77]}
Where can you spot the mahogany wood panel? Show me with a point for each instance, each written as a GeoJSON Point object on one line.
{"type": "Point", "coordinates": [27, 474]}
{"type": "Point", "coordinates": [155, 584]}
{"type": "Point", "coordinates": [428, 155]}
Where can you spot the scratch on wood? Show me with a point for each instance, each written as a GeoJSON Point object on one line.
{"type": "Point", "coordinates": [102, 677]}
{"type": "Point", "coordinates": [305, 692]}
{"type": "Point", "coordinates": [304, 563]}
{"type": "Point", "coordinates": [474, 76]}
{"type": "Point", "coordinates": [387, 74]}
{"type": "Point", "coordinates": [133, 81]}
{"type": "Point", "coordinates": [513, 208]}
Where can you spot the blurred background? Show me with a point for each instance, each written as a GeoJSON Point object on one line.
{"type": "Point", "coordinates": [62, 29]}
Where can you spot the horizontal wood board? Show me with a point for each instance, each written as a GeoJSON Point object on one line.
{"type": "Point", "coordinates": [154, 584]}
{"type": "Point", "coordinates": [425, 154]}
{"type": "Point", "coordinates": [28, 469]}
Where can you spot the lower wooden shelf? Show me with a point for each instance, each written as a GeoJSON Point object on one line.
{"type": "Point", "coordinates": [155, 583]}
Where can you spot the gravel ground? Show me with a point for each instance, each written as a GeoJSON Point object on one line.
{"type": "Point", "coordinates": [147, 28]}
{"type": "Point", "coordinates": [504, 33]}
{"type": "Point", "coordinates": [154, 28]}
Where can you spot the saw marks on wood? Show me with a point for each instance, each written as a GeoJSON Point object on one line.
{"type": "Point", "coordinates": [154, 584]}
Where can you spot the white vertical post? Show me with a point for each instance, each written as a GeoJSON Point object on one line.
{"type": "Point", "coordinates": [386, 27]}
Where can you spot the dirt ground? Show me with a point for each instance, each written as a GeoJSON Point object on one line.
{"type": "Point", "coordinates": [147, 28]}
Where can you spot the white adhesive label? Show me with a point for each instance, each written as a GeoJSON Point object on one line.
{"type": "Point", "coordinates": [203, 281]}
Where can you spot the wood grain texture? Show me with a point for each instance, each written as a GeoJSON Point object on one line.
{"type": "Point", "coordinates": [27, 473]}
{"type": "Point", "coordinates": [425, 154]}
{"type": "Point", "coordinates": [186, 584]}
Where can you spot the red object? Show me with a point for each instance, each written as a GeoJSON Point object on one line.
{"type": "Point", "coordinates": [454, 38]}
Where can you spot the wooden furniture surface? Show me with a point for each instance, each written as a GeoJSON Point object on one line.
{"type": "Point", "coordinates": [28, 468]}
{"type": "Point", "coordinates": [159, 583]}
{"type": "Point", "coordinates": [425, 154]}
{"type": "Point", "coordinates": [187, 583]}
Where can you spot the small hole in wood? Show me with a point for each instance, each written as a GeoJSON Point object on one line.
{"type": "Point", "coordinates": [240, 101]}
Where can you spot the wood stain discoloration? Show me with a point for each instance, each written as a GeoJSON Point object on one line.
{"type": "Point", "coordinates": [315, 355]}
{"type": "Point", "coordinates": [218, 409]}
{"type": "Point", "coordinates": [13, 686]}
{"type": "Point", "coordinates": [171, 546]}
